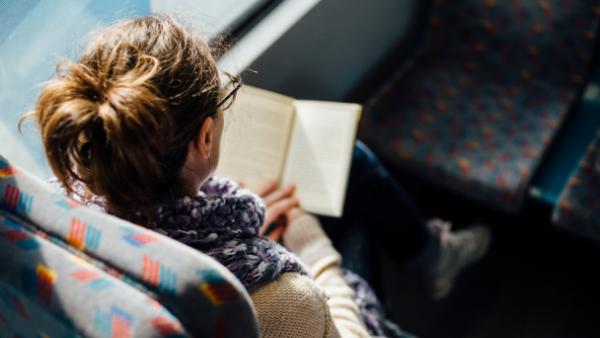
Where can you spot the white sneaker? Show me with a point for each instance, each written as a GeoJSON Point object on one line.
{"type": "Point", "coordinates": [457, 250]}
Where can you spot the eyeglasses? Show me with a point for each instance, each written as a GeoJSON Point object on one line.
{"type": "Point", "coordinates": [233, 85]}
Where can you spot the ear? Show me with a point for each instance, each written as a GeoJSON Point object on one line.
{"type": "Point", "coordinates": [206, 138]}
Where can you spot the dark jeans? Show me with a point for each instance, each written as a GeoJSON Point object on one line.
{"type": "Point", "coordinates": [377, 211]}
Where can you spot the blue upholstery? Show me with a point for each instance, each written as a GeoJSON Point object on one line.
{"type": "Point", "coordinates": [578, 208]}
{"type": "Point", "coordinates": [478, 106]}
{"type": "Point", "coordinates": [570, 146]}
{"type": "Point", "coordinates": [45, 290]}
{"type": "Point", "coordinates": [79, 272]}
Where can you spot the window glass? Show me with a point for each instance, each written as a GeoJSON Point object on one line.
{"type": "Point", "coordinates": [36, 34]}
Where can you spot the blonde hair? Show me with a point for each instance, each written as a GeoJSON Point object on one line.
{"type": "Point", "coordinates": [119, 120]}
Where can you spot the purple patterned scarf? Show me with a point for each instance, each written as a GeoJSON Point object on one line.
{"type": "Point", "coordinates": [222, 221]}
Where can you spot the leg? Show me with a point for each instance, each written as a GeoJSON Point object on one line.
{"type": "Point", "coordinates": [377, 208]}
{"type": "Point", "coordinates": [376, 201]}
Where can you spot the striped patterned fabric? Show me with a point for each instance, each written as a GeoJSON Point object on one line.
{"type": "Point", "coordinates": [478, 106]}
{"type": "Point", "coordinates": [46, 291]}
{"type": "Point", "coordinates": [578, 208]}
{"type": "Point", "coordinates": [77, 272]}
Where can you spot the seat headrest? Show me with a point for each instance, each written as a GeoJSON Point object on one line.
{"type": "Point", "coordinates": [198, 290]}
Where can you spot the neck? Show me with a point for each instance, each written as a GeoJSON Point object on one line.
{"type": "Point", "coordinates": [192, 176]}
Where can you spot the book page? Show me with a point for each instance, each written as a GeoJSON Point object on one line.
{"type": "Point", "coordinates": [320, 154]}
{"type": "Point", "coordinates": [255, 137]}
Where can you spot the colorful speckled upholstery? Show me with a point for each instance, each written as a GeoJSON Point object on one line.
{"type": "Point", "coordinates": [478, 106]}
{"type": "Point", "coordinates": [578, 208]}
{"type": "Point", "coordinates": [78, 272]}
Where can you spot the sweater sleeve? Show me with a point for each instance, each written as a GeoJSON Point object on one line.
{"type": "Point", "coordinates": [308, 241]}
{"type": "Point", "coordinates": [293, 306]}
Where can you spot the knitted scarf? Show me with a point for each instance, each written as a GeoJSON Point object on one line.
{"type": "Point", "coordinates": [222, 221]}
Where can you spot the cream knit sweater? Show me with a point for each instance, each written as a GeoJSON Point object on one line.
{"type": "Point", "coordinates": [298, 306]}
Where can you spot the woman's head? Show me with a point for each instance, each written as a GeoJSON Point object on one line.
{"type": "Point", "coordinates": [136, 118]}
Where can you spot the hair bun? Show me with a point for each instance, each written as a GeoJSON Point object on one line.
{"type": "Point", "coordinates": [92, 117]}
{"type": "Point", "coordinates": [129, 107]}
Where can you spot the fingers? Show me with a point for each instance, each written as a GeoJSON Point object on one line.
{"type": "Point", "coordinates": [267, 189]}
{"type": "Point", "coordinates": [279, 203]}
{"type": "Point", "coordinates": [275, 228]}
{"type": "Point", "coordinates": [267, 228]}
{"type": "Point", "coordinates": [280, 208]}
{"type": "Point", "coordinates": [273, 197]}
{"type": "Point", "coordinates": [277, 233]}
{"type": "Point", "coordinates": [263, 229]}
{"type": "Point", "coordinates": [294, 213]}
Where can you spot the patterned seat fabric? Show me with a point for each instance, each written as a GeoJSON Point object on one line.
{"type": "Point", "coordinates": [578, 208]}
{"type": "Point", "coordinates": [79, 272]}
{"type": "Point", "coordinates": [46, 292]}
{"type": "Point", "coordinates": [476, 109]}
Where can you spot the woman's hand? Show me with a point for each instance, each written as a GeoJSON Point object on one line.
{"type": "Point", "coordinates": [280, 204]}
{"type": "Point", "coordinates": [290, 216]}
{"type": "Point", "coordinates": [294, 213]}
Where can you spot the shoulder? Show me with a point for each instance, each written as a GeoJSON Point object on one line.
{"type": "Point", "coordinates": [292, 306]}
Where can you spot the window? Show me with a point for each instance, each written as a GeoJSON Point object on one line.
{"type": "Point", "coordinates": [35, 34]}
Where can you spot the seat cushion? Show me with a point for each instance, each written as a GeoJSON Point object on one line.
{"type": "Point", "coordinates": [478, 106]}
{"type": "Point", "coordinates": [200, 292]}
{"type": "Point", "coordinates": [45, 290]}
{"type": "Point", "coordinates": [578, 208]}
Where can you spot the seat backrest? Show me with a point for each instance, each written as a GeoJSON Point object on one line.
{"type": "Point", "coordinates": [45, 291]}
{"type": "Point", "coordinates": [94, 275]}
{"type": "Point", "coordinates": [578, 207]}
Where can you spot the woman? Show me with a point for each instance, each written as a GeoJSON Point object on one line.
{"type": "Point", "coordinates": [135, 127]}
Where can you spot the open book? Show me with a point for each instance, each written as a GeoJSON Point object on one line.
{"type": "Point", "coordinates": [269, 136]}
